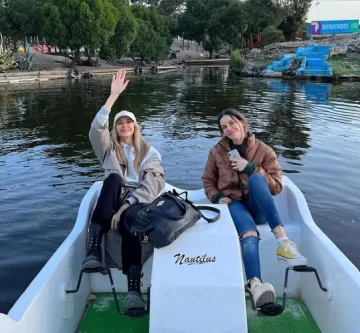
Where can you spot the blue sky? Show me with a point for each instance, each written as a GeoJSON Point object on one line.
{"type": "Point", "coordinates": [334, 10]}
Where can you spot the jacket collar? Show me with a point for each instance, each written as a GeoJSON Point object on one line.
{"type": "Point", "coordinates": [225, 142]}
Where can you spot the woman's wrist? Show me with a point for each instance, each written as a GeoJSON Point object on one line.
{"type": "Point", "coordinates": [250, 168]}
{"type": "Point", "coordinates": [110, 101]}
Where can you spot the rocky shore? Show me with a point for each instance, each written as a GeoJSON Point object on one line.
{"type": "Point", "coordinates": [344, 58]}
{"type": "Point", "coordinates": [350, 43]}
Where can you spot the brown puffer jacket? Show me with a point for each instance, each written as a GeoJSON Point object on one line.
{"type": "Point", "coordinates": [219, 177]}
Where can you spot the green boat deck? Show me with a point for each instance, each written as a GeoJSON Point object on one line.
{"type": "Point", "coordinates": [101, 316]}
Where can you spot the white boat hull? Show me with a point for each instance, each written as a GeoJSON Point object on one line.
{"type": "Point", "coordinates": [45, 307]}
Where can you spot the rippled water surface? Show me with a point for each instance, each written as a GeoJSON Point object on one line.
{"type": "Point", "coordinates": [46, 161]}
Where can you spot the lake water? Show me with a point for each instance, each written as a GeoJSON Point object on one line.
{"type": "Point", "coordinates": [47, 164]}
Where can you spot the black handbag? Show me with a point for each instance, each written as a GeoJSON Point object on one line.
{"type": "Point", "coordinates": [166, 218]}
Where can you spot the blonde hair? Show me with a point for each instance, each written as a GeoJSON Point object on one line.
{"type": "Point", "coordinates": [140, 145]}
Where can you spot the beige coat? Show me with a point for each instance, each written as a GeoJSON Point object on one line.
{"type": "Point", "coordinates": [151, 173]}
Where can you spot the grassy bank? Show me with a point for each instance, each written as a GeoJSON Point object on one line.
{"type": "Point", "coordinates": [344, 66]}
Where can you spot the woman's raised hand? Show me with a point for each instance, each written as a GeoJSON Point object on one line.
{"type": "Point", "coordinates": [118, 84]}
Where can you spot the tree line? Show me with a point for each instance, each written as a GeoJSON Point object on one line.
{"type": "Point", "coordinates": [145, 29]}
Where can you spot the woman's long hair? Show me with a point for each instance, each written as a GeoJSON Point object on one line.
{"type": "Point", "coordinates": [141, 146]}
{"type": "Point", "coordinates": [239, 118]}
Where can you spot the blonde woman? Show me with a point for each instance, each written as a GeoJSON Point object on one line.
{"type": "Point", "coordinates": [133, 178]}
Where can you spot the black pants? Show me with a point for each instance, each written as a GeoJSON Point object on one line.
{"type": "Point", "coordinates": [107, 205]}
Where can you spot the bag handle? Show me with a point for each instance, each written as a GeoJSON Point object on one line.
{"type": "Point", "coordinates": [211, 209]}
{"type": "Point", "coordinates": [199, 208]}
{"type": "Point", "coordinates": [177, 202]}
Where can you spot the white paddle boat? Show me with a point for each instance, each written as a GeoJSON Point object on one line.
{"type": "Point", "coordinates": [197, 283]}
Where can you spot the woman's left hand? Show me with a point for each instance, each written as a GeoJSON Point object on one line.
{"type": "Point", "coordinates": [239, 164]}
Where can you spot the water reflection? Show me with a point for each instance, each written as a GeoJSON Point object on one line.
{"type": "Point", "coordinates": [317, 93]}
{"type": "Point", "coordinates": [285, 127]}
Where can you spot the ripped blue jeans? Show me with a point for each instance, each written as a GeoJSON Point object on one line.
{"type": "Point", "coordinates": [259, 208]}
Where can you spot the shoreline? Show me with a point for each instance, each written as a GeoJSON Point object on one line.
{"type": "Point", "coordinates": [18, 77]}
{"type": "Point", "coordinates": [47, 66]}
{"type": "Point", "coordinates": [319, 79]}
{"type": "Point", "coordinates": [59, 73]}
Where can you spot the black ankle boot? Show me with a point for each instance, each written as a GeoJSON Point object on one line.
{"type": "Point", "coordinates": [134, 278]}
{"type": "Point", "coordinates": [93, 256]}
{"type": "Point", "coordinates": [133, 299]}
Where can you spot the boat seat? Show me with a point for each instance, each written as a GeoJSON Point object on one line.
{"type": "Point", "coordinates": [197, 282]}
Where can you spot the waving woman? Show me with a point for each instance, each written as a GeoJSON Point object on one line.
{"type": "Point", "coordinates": [133, 178]}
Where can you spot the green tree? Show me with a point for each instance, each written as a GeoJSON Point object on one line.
{"type": "Point", "coordinates": [153, 39]}
{"type": "Point", "coordinates": [294, 17]}
{"type": "Point", "coordinates": [173, 23]}
{"type": "Point", "coordinates": [79, 23]}
{"type": "Point", "coordinates": [20, 18]}
{"type": "Point", "coordinates": [229, 24]}
{"type": "Point", "coordinates": [237, 62]}
{"type": "Point", "coordinates": [261, 13]}
{"type": "Point", "coordinates": [196, 24]}
{"type": "Point", "coordinates": [168, 7]}
{"type": "Point", "coordinates": [125, 33]}
{"type": "Point", "coordinates": [213, 22]}
{"type": "Point", "coordinates": [272, 35]}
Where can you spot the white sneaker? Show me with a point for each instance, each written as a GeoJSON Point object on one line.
{"type": "Point", "coordinates": [263, 293]}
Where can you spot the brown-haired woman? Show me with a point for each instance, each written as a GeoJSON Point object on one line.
{"type": "Point", "coordinates": [134, 177]}
{"type": "Point", "coordinates": [246, 184]}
